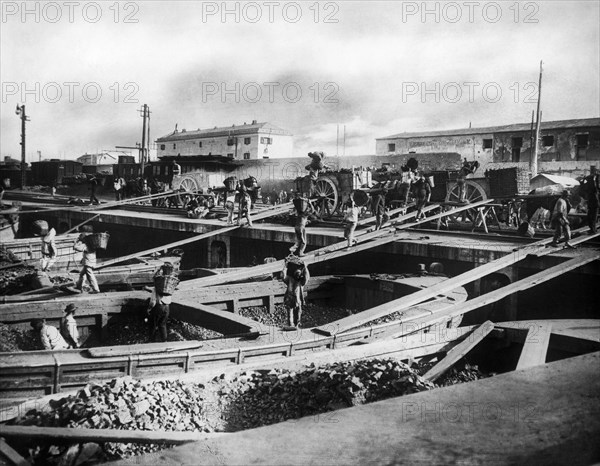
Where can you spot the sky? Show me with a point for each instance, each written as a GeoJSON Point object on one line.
{"type": "Point", "coordinates": [83, 70]}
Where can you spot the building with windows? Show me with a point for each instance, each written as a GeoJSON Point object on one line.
{"type": "Point", "coordinates": [563, 143]}
{"type": "Point", "coordinates": [240, 142]}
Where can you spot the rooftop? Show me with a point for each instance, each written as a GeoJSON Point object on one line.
{"type": "Point", "coordinates": [232, 130]}
{"type": "Point", "coordinates": [545, 125]}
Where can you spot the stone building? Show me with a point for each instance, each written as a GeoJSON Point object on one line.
{"type": "Point", "coordinates": [566, 146]}
{"type": "Point", "coordinates": [242, 142]}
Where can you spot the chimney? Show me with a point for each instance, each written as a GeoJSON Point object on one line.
{"type": "Point", "coordinates": [253, 122]}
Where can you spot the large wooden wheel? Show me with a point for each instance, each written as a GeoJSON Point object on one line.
{"type": "Point", "coordinates": [186, 186]}
{"type": "Point", "coordinates": [327, 197]}
{"type": "Point", "coordinates": [473, 192]}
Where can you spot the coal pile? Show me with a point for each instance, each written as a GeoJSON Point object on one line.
{"type": "Point", "coordinates": [261, 398]}
{"type": "Point", "coordinates": [461, 372]}
{"type": "Point", "coordinates": [313, 315]}
{"type": "Point", "coordinates": [252, 399]}
{"type": "Point", "coordinates": [16, 280]}
{"type": "Point", "coordinates": [14, 339]}
{"type": "Point", "coordinates": [132, 330]}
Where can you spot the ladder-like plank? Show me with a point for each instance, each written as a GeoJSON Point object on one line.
{"type": "Point", "coordinates": [535, 346]}
{"type": "Point", "coordinates": [459, 351]}
{"type": "Point", "coordinates": [413, 299]}
{"type": "Point", "coordinates": [365, 241]}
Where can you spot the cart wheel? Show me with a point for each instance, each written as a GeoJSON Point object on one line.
{"type": "Point", "coordinates": [327, 194]}
{"type": "Point", "coordinates": [473, 193]}
{"type": "Point", "coordinates": [186, 186]}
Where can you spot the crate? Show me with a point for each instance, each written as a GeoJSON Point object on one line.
{"type": "Point", "coordinates": [506, 182]}
{"type": "Point", "coordinates": [166, 284]}
{"type": "Point", "coordinates": [439, 188]}
{"type": "Point", "coordinates": [98, 240]}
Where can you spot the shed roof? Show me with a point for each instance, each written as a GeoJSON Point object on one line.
{"type": "Point", "coordinates": [517, 127]}
{"type": "Point", "coordinates": [566, 181]}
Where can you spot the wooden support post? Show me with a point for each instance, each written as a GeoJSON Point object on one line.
{"type": "Point", "coordinates": [535, 346]}
{"type": "Point", "coordinates": [459, 351]}
{"type": "Point", "coordinates": [270, 303]}
{"type": "Point", "coordinates": [235, 306]}
{"type": "Point", "coordinates": [57, 375]}
{"type": "Point", "coordinates": [11, 455]}
{"type": "Point", "coordinates": [101, 323]}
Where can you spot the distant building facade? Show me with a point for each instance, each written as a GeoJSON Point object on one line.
{"type": "Point", "coordinates": [567, 142]}
{"type": "Point", "coordinates": [101, 162]}
{"type": "Point", "coordinates": [239, 142]}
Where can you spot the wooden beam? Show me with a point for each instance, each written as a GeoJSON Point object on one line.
{"type": "Point", "coordinates": [459, 351]}
{"type": "Point", "coordinates": [67, 434]}
{"type": "Point", "coordinates": [535, 346]}
{"type": "Point", "coordinates": [406, 302]}
{"type": "Point", "coordinates": [425, 319]}
{"type": "Point", "coordinates": [365, 241]}
{"type": "Point", "coordinates": [80, 225]}
{"type": "Point", "coordinates": [220, 231]}
{"type": "Point", "coordinates": [145, 348]}
{"type": "Point", "coordinates": [12, 455]}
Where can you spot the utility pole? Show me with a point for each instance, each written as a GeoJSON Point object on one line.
{"type": "Point", "coordinates": [145, 114]}
{"type": "Point", "coordinates": [533, 162]}
{"type": "Point", "coordinates": [21, 112]}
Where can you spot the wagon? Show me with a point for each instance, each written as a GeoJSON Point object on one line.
{"type": "Point", "coordinates": [332, 189]}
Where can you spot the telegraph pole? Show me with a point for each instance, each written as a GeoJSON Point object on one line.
{"type": "Point", "coordinates": [145, 114]}
{"type": "Point", "coordinates": [533, 162]}
{"type": "Point", "coordinates": [21, 112]}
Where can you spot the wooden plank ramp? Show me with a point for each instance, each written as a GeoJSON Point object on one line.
{"type": "Point", "coordinates": [11, 455]}
{"type": "Point", "coordinates": [459, 351]}
{"type": "Point", "coordinates": [535, 346]}
{"type": "Point", "coordinates": [103, 435]}
{"type": "Point", "coordinates": [413, 321]}
{"type": "Point", "coordinates": [259, 216]}
{"type": "Point", "coordinates": [365, 241]}
{"type": "Point", "coordinates": [443, 287]}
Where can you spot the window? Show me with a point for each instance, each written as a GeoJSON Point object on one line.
{"type": "Point", "coordinates": [246, 155]}
{"type": "Point", "coordinates": [548, 141]}
{"type": "Point", "coordinates": [162, 147]}
{"type": "Point", "coordinates": [488, 143]}
{"type": "Point", "coordinates": [517, 142]}
{"type": "Point", "coordinates": [247, 141]}
{"type": "Point", "coordinates": [230, 156]}
{"type": "Point", "coordinates": [266, 140]}
{"type": "Point", "coordinates": [391, 147]}
{"type": "Point", "coordinates": [230, 141]}
{"type": "Point", "coordinates": [582, 140]}
{"type": "Point", "coordinates": [174, 146]}
{"type": "Point", "coordinates": [199, 143]}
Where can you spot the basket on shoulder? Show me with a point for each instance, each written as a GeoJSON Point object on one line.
{"type": "Point", "coordinates": [97, 240]}
{"type": "Point", "coordinates": [166, 279]}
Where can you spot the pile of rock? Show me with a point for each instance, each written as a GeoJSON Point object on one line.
{"type": "Point", "coordinates": [249, 400]}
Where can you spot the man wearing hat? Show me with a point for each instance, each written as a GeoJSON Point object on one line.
{"type": "Point", "coordinates": [591, 188]}
{"type": "Point", "coordinates": [88, 261]}
{"type": "Point", "coordinates": [560, 220]}
{"type": "Point", "coordinates": [93, 186]}
{"type": "Point", "coordinates": [49, 335]}
{"type": "Point", "coordinates": [68, 327]}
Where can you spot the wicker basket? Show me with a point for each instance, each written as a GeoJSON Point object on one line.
{"type": "Point", "coordinates": [98, 240]}
{"type": "Point", "coordinates": [40, 227]}
{"type": "Point", "coordinates": [361, 198]}
{"type": "Point", "coordinates": [166, 284]}
{"type": "Point", "coordinates": [230, 183]}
